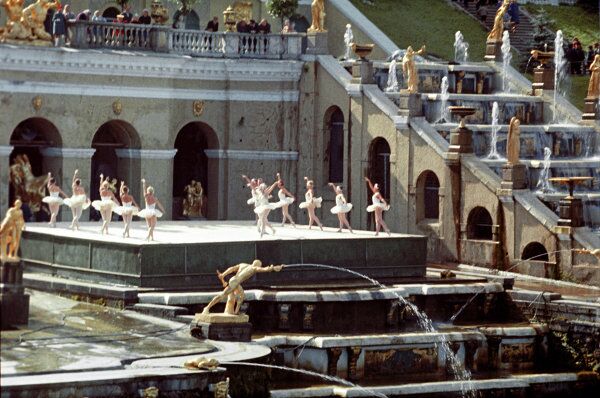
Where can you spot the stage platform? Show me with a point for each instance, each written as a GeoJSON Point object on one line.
{"type": "Point", "coordinates": [186, 254]}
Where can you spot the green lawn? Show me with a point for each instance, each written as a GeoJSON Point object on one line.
{"type": "Point", "coordinates": [574, 21]}
{"type": "Point", "coordinates": [575, 88]}
{"type": "Point", "coordinates": [429, 22]}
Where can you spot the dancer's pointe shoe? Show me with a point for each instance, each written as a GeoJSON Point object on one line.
{"type": "Point", "coordinates": [376, 233]}
{"type": "Point", "coordinates": [320, 226]}
{"type": "Point", "coordinates": [294, 225]}
{"type": "Point", "coordinates": [351, 231]}
{"type": "Point", "coordinates": [389, 233]}
{"type": "Point", "coordinates": [339, 230]}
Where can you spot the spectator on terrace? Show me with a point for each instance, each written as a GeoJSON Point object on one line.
{"type": "Point", "coordinates": [576, 56]}
{"type": "Point", "coordinates": [127, 15]}
{"type": "Point", "coordinates": [178, 23]}
{"type": "Point", "coordinates": [59, 28]}
{"type": "Point", "coordinates": [241, 26]}
{"type": "Point", "coordinates": [67, 12]}
{"type": "Point", "coordinates": [264, 27]}
{"type": "Point", "coordinates": [97, 17]}
{"type": "Point", "coordinates": [287, 27]}
{"type": "Point", "coordinates": [145, 17]}
{"type": "Point", "coordinates": [83, 16]}
{"type": "Point", "coordinates": [482, 12]}
{"type": "Point", "coordinates": [589, 58]}
{"type": "Point", "coordinates": [213, 25]}
{"type": "Point", "coordinates": [597, 47]}
{"type": "Point", "coordinates": [513, 12]}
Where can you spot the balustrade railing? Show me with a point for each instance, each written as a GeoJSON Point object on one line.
{"type": "Point", "coordinates": [140, 37]}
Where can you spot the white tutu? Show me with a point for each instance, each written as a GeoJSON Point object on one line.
{"type": "Point", "coordinates": [103, 204]}
{"type": "Point", "coordinates": [250, 201]}
{"type": "Point", "coordinates": [127, 210]}
{"type": "Point", "coordinates": [53, 200]}
{"type": "Point", "coordinates": [77, 200]}
{"type": "Point", "coordinates": [343, 208]}
{"type": "Point", "coordinates": [372, 207]}
{"type": "Point", "coordinates": [284, 202]}
{"type": "Point", "coordinates": [316, 202]}
{"type": "Point", "coordinates": [148, 213]}
{"type": "Point", "coordinates": [262, 208]}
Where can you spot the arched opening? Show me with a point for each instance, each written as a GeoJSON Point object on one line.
{"type": "Point", "coordinates": [300, 23]}
{"type": "Point", "coordinates": [192, 164]}
{"type": "Point", "coordinates": [111, 13]}
{"type": "Point", "coordinates": [191, 20]}
{"type": "Point", "coordinates": [334, 144]}
{"type": "Point", "coordinates": [28, 165]}
{"type": "Point", "coordinates": [535, 251]}
{"type": "Point", "coordinates": [112, 158]}
{"type": "Point", "coordinates": [428, 200]}
{"type": "Point", "coordinates": [479, 224]}
{"type": "Point", "coordinates": [379, 165]}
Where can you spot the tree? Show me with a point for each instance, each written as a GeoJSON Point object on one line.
{"type": "Point", "coordinates": [542, 34]}
{"type": "Point", "coordinates": [282, 8]}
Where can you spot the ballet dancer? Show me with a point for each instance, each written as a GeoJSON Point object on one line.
{"type": "Point", "coordinates": [379, 206]}
{"type": "Point", "coordinates": [78, 202]}
{"type": "Point", "coordinates": [311, 203]}
{"type": "Point", "coordinates": [128, 208]}
{"type": "Point", "coordinates": [53, 200]}
{"type": "Point", "coordinates": [253, 185]}
{"type": "Point", "coordinates": [341, 207]}
{"type": "Point", "coordinates": [106, 204]}
{"type": "Point", "coordinates": [150, 213]}
{"type": "Point", "coordinates": [285, 200]}
{"type": "Point", "coordinates": [264, 207]}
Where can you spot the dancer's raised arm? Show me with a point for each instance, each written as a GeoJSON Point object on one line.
{"type": "Point", "coordinates": [271, 188]}
{"type": "Point", "coordinates": [245, 178]}
{"type": "Point", "coordinates": [144, 186]}
{"type": "Point", "coordinates": [332, 185]}
{"type": "Point", "coordinates": [74, 177]}
{"type": "Point", "coordinates": [371, 187]}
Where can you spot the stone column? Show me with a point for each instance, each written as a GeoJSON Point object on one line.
{"type": "Point", "coordinates": [156, 167]}
{"type": "Point", "coordinates": [5, 152]}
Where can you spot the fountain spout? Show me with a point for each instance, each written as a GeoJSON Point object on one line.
{"type": "Point", "coordinates": [461, 48]}
{"type": "Point", "coordinates": [506, 58]}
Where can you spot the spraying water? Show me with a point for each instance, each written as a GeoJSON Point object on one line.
{"type": "Point", "coordinates": [444, 114]}
{"type": "Point", "coordinates": [348, 40]}
{"type": "Point", "coordinates": [392, 82]}
{"type": "Point", "coordinates": [560, 64]}
{"type": "Point", "coordinates": [543, 183]}
{"type": "Point", "coordinates": [309, 373]}
{"type": "Point", "coordinates": [495, 128]}
{"type": "Point", "coordinates": [461, 48]}
{"type": "Point", "coordinates": [506, 58]}
{"type": "Point", "coordinates": [460, 373]}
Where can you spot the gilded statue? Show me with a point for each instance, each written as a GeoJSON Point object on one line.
{"type": "Point", "coordinates": [496, 32]}
{"type": "Point", "coordinates": [317, 10]}
{"type": "Point", "coordinates": [513, 146]}
{"type": "Point", "coordinates": [594, 86]}
{"type": "Point", "coordinates": [10, 231]}
{"type": "Point", "coordinates": [194, 199]}
{"type": "Point", "coordinates": [233, 290]}
{"type": "Point", "coordinates": [27, 23]}
{"type": "Point", "coordinates": [29, 188]}
{"type": "Point", "coordinates": [409, 69]}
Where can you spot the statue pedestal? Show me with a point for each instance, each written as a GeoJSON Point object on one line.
{"type": "Point", "coordinates": [410, 104]}
{"type": "Point", "coordinates": [543, 79]}
{"type": "Point", "coordinates": [493, 51]}
{"type": "Point", "coordinates": [223, 327]}
{"type": "Point", "coordinates": [316, 43]}
{"type": "Point", "coordinates": [570, 211]}
{"type": "Point", "coordinates": [590, 109]}
{"type": "Point", "coordinates": [362, 72]}
{"type": "Point", "coordinates": [514, 176]}
{"type": "Point", "coordinates": [461, 141]}
{"type": "Point", "coordinates": [13, 300]}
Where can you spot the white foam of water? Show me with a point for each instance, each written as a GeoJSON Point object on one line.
{"type": "Point", "coordinates": [495, 128]}
{"type": "Point", "coordinates": [461, 48]}
{"type": "Point", "coordinates": [506, 58]}
{"type": "Point", "coordinates": [392, 82]}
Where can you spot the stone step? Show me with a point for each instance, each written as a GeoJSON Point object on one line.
{"type": "Point", "coordinates": [158, 310]}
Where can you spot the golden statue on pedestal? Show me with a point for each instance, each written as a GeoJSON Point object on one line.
{"type": "Point", "coordinates": [26, 23]}
{"type": "Point", "coordinates": [29, 188]}
{"type": "Point", "coordinates": [513, 145]}
{"type": "Point", "coordinates": [410, 70]}
{"type": "Point", "coordinates": [10, 232]}
{"type": "Point", "coordinates": [193, 202]}
{"type": "Point", "coordinates": [496, 32]}
{"type": "Point", "coordinates": [317, 9]}
{"type": "Point", "coordinates": [594, 86]}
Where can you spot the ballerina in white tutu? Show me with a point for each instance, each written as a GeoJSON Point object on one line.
{"type": "Point", "coordinates": [54, 200]}
{"type": "Point", "coordinates": [78, 202]}
{"type": "Point", "coordinates": [285, 200]}
{"type": "Point", "coordinates": [263, 207]}
{"type": "Point", "coordinates": [253, 185]}
{"type": "Point", "coordinates": [106, 204]}
{"type": "Point", "coordinates": [150, 213]}
{"type": "Point", "coordinates": [341, 207]}
{"type": "Point", "coordinates": [311, 203]}
{"type": "Point", "coordinates": [378, 207]}
{"type": "Point", "coordinates": [128, 208]}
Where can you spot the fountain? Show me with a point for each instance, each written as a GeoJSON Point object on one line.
{"type": "Point", "coordinates": [348, 40]}
{"type": "Point", "coordinates": [560, 64]}
{"type": "Point", "coordinates": [543, 184]}
{"type": "Point", "coordinates": [461, 48]}
{"type": "Point", "coordinates": [570, 208]}
{"type": "Point", "coordinates": [444, 95]}
{"type": "Point", "coordinates": [506, 58]}
{"type": "Point", "coordinates": [392, 83]}
{"type": "Point", "coordinates": [494, 144]}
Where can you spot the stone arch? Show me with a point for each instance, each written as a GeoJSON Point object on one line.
{"type": "Point", "coordinates": [192, 20]}
{"type": "Point", "coordinates": [427, 199]}
{"type": "Point", "coordinates": [379, 165]}
{"type": "Point", "coordinates": [333, 159]}
{"type": "Point", "coordinates": [117, 145]}
{"type": "Point", "coordinates": [479, 224]}
{"type": "Point", "coordinates": [36, 146]}
{"type": "Point", "coordinates": [535, 251]}
{"type": "Point", "coordinates": [192, 162]}
{"type": "Point", "coordinates": [110, 13]}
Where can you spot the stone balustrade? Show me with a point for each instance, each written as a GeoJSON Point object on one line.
{"type": "Point", "coordinates": [140, 37]}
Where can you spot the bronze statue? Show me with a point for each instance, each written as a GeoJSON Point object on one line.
{"type": "Point", "coordinates": [496, 32]}
{"type": "Point", "coordinates": [317, 9]}
{"type": "Point", "coordinates": [10, 231]}
{"type": "Point", "coordinates": [29, 188]}
{"type": "Point", "coordinates": [410, 70]}
{"type": "Point", "coordinates": [594, 85]}
{"type": "Point", "coordinates": [513, 146]}
{"type": "Point", "coordinates": [193, 202]}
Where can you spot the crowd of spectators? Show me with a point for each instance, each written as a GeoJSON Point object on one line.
{"type": "Point", "coordinates": [579, 59]}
